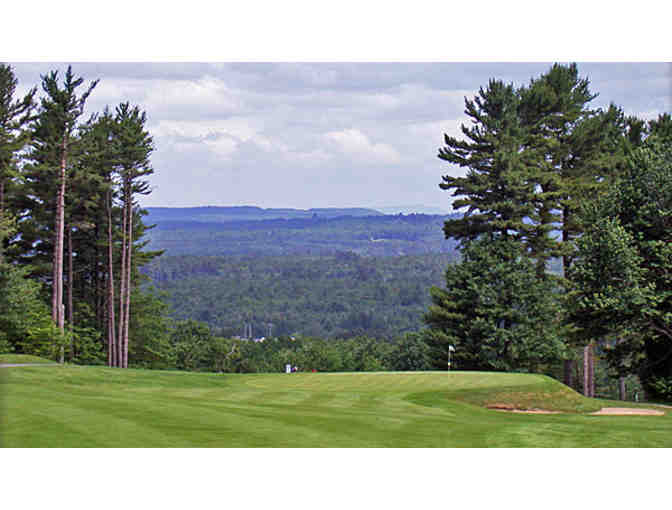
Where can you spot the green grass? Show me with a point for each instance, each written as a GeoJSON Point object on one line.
{"type": "Point", "coordinates": [75, 406]}
{"type": "Point", "coordinates": [22, 358]}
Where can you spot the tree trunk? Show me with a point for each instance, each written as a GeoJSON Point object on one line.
{"type": "Point", "coordinates": [586, 371]}
{"type": "Point", "coordinates": [2, 208]}
{"type": "Point", "coordinates": [112, 356]}
{"type": "Point", "coordinates": [71, 282]}
{"type": "Point", "coordinates": [591, 371]}
{"type": "Point", "coordinates": [57, 291]}
{"type": "Point", "coordinates": [122, 292]}
{"type": "Point", "coordinates": [621, 388]}
{"type": "Point", "coordinates": [127, 314]}
{"type": "Point", "coordinates": [567, 375]}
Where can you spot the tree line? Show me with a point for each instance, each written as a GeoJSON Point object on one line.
{"type": "Point", "coordinates": [193, 346]}
{"type": "Point", "coordinates": [71, 228]}
{"type": "Point", "coordinates": [548, 177]}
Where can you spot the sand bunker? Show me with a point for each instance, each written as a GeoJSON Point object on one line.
{"type": "Point", "coordinates": [612, 411]}
{"type": "Point", "coordinates": [628, 411]}
{"type": "Point", "coordinates": [511, 409]}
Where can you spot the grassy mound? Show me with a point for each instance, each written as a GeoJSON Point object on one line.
{"type": "Point", "coordinates": [22, 358]}
{"type": "Point", "coordinates": [74, 406]}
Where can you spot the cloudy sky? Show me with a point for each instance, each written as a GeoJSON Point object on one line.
{"type": "Point", "coordinates": [319, 135]}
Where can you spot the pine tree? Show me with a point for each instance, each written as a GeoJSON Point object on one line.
{"type": "Point", "coordinates": [52, 142]}
{"type": "Point", "coordinates": [15, 116]}
{"type": "Point", "coordinates": [135, 146]}
{"type": "Point", "coordinates": [622, 281]}
{"type": "Point", "coordinates": [494, 311]}
{"type": "Point", "coordinates": [532, 156]}
{"type": "Point", "coordinates": [495, 190]}
{"type": "Point", "coordinates": [573, 150]}
{"type": "Point", "coordinates": [99, 162]}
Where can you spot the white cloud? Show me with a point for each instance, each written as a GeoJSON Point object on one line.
{"type": "Point", "coordinates": [240, 128]}
{"type": "Point", "coordinates": [204, 96]}
{"type": "Point", "coordinates": [354, 143]}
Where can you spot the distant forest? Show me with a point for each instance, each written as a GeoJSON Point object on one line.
{"type": "Point", "coordinates": [338, 296]}
{"type": "Point", "coordinates": [333, 274]}
{"type": "Point", "coordinates": [219, 233]}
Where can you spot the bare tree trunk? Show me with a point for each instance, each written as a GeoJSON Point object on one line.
{"type": "Point", "coordinates": [567, 376]}
{"type": "Point", "coordinates": [586, 370]}
{"type": "Point", "coordinates": [127, 314]}
{"type": "Point", "coordinates": [112, 355]}
{"type": "Point", "coordinates": [57, 292]}
{"type": "Point", "coordinates": [122, 292]}
{"type": "Point", "coordinates": [111, 340]}
{"type": "Point", "coordinates": [71, 282]}
{"type": "Point", "coordinates": [621, 388]}
{"type": "Point", "coordinates": [591, 371]}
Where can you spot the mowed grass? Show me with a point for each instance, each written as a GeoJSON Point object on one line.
{"type": "Point", "coordinates": [74, 406]}
{"type": "Point", "coordinates": [22, 358]}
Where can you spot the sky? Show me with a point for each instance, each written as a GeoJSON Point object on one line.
{"type": "Point", "coordinates": [327, 134]}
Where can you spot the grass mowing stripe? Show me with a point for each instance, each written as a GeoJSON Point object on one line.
{"type": "Point", "coordinates": [104, 407]}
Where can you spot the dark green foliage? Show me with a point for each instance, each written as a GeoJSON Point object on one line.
{"type": "Point", "coordinates": [24, 317]}
{"type": "Point", "coordinates": [150, 345]}
{"type": "Point", "coordinates": [494, 312]}
{"type": "Point", "coordinates": [195, 348]}
{"type": "Point", "coordinates": [15, 115]}
{"type": "Point", "coordinates": [660, 129]}
{"type": "Point", "coordinates": [190, 341]}
{"type": "Point", "coordinates": [25, 323]}
{"type": "Point", "coordinates": [623, 275]}
{"type": "Point", "coordinates": [104, 162]}
{"type": "Point", "coordinates": [411, 352]}
{"type": "Point", "coordinates": [532, 155]}
{"type": "Point", "coordinates": [496, 189]}
{"type": "Point", "coordinates": [328, 297]}
{"type": "Point", "coordinates": [608, 278]}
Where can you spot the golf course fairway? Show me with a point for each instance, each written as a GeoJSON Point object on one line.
{"type": "Point", "coordinates": [82, 406]}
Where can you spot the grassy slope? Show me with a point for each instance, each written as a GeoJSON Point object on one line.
{"type": "Point", "coordinates": [101, 407]}
{"type": "Point", "coordinates": [22, 358]}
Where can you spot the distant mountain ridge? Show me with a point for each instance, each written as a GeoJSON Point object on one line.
{"type": "Point", "coordinates": [219, 214]}
{"type": "Point", "coordinates": [415, 209]}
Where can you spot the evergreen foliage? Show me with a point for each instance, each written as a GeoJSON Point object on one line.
{"type": "Point", "coordinates": [327, 297]}
{"type": "Point", "coordinates": [623, 278]}
{"type": "Point", "coordinates": [71, 187]}
{"type": "Point", "coordinates": [15, 116]}
{"type": "Point", "coordinates": [533, 155]}
{"type": "Point", "coordinates": [494, 312]}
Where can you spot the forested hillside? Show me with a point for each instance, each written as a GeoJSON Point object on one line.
{"type": "Point", "coordinates": [369, 235]}
{"type": "Point", "coordinates": [328, 297]}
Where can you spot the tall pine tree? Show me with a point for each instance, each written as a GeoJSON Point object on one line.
{"type": "Point", "coordinates": [135, 146]}
{"type": "Point", "coordinates": [53, 135]}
